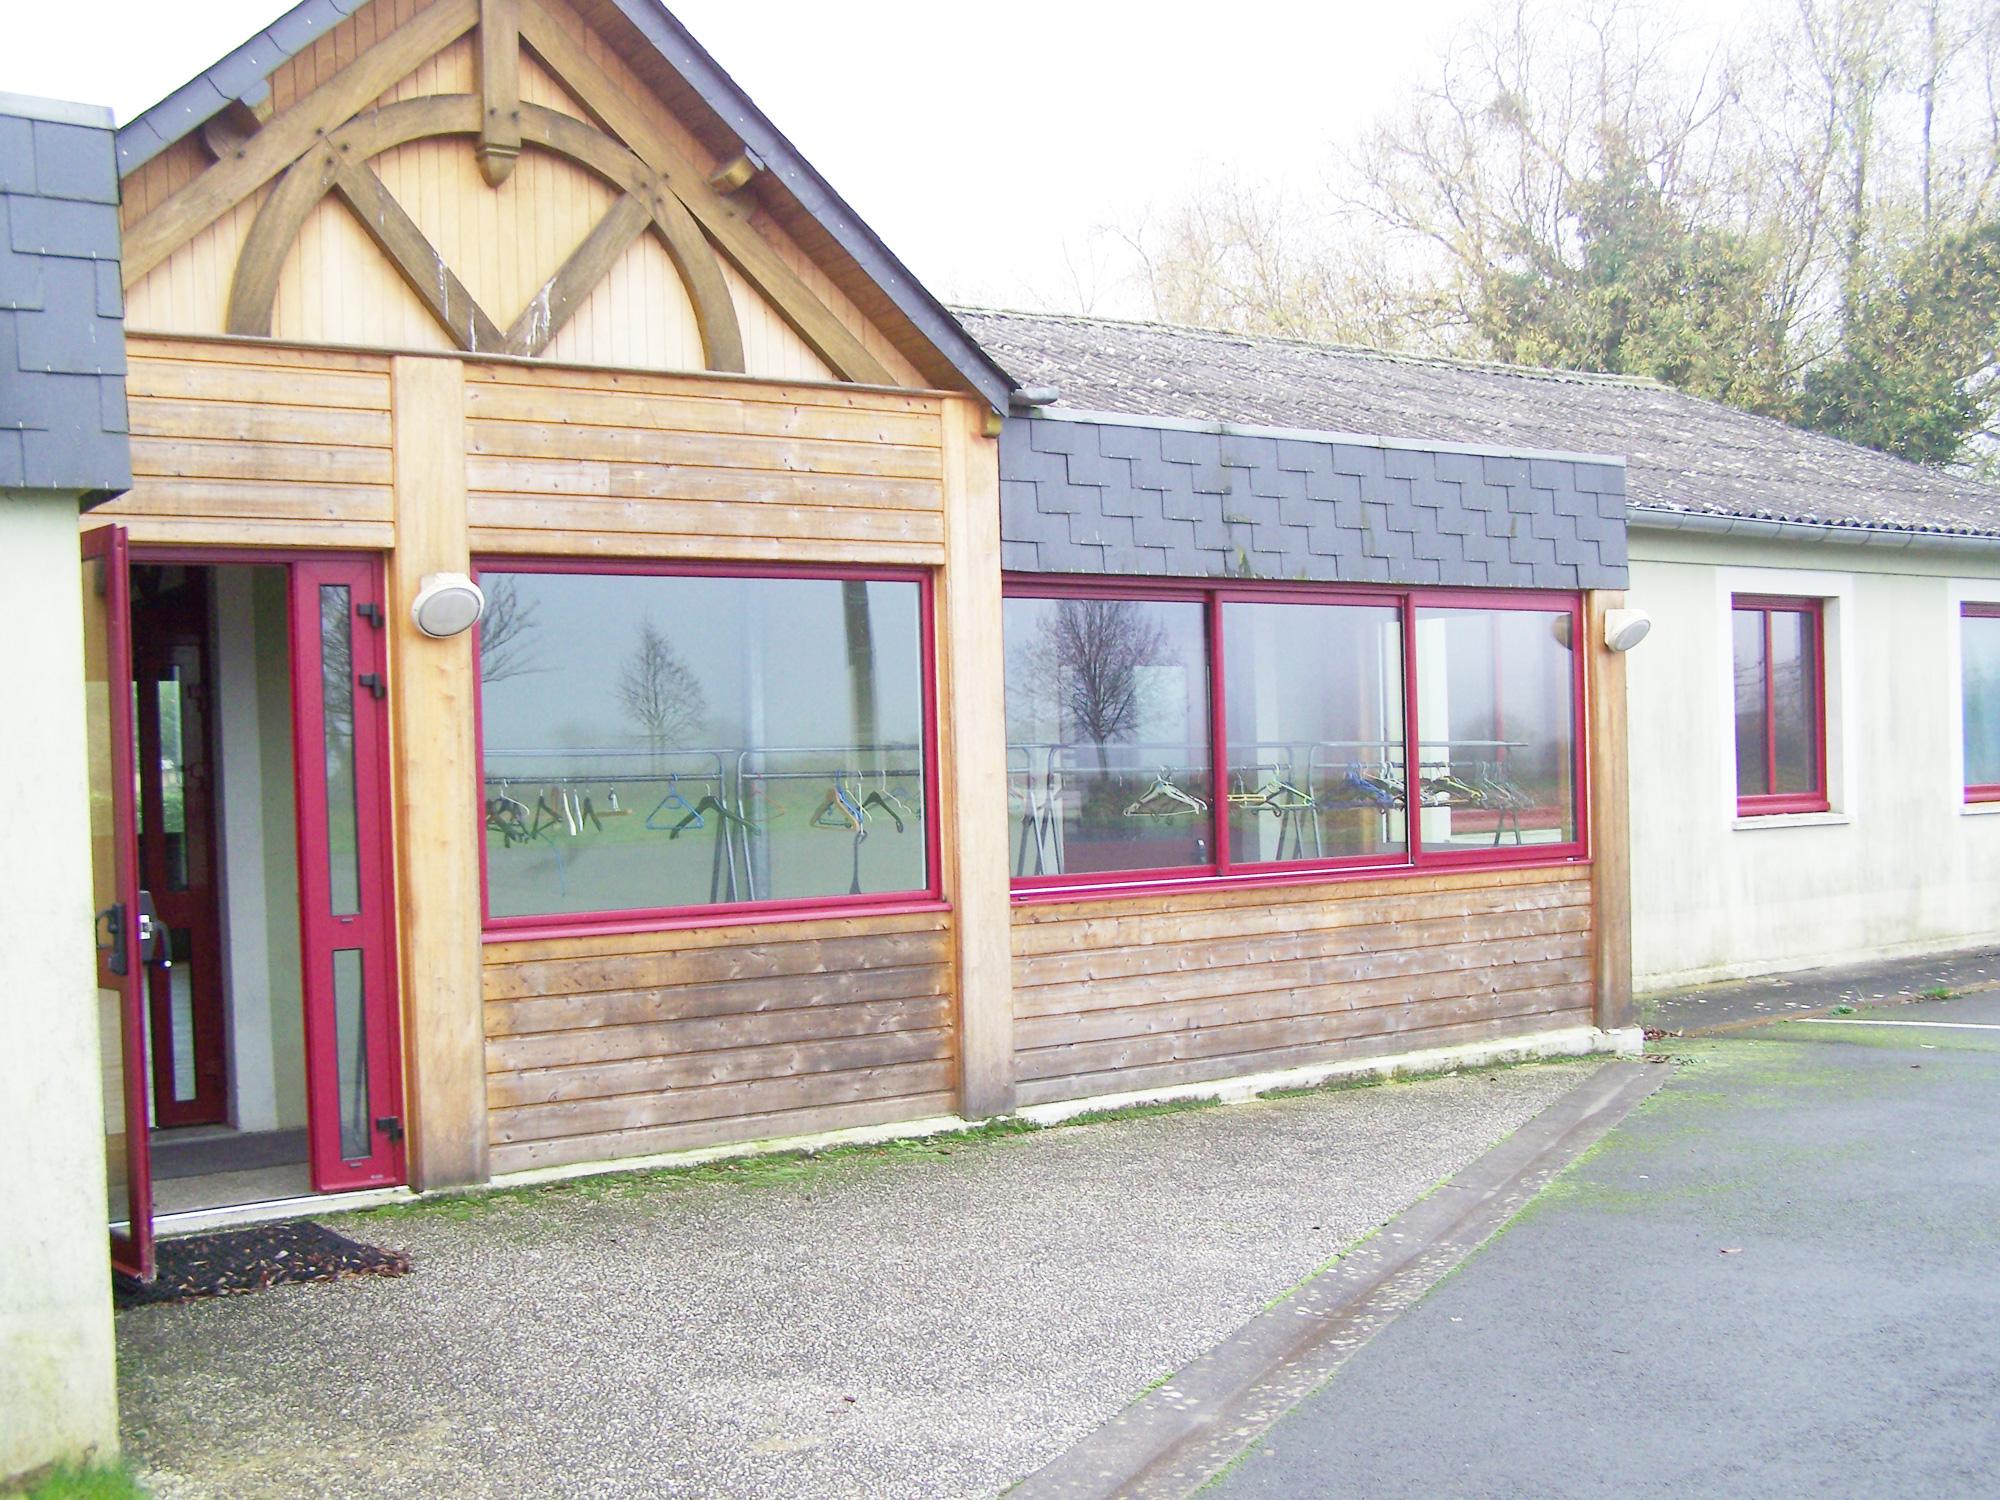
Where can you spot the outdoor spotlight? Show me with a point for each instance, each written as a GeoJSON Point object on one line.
{"type": "Point", "coordinates": [447, 604]}
{"type": "Point", "coordinates": [1625, 628]}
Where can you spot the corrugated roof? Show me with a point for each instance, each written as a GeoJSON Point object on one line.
{"type": "Point", "coordinates": [1683, 454]}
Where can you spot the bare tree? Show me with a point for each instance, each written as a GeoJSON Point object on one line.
{"type": "Point", "coordinates": [506, 631]}
{"type": "Point", "coordinates": [659, 692]}
{"type": "Point", "coordinates": [1087, 656]}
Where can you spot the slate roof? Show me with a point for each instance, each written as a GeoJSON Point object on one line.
{"type": "Point", "coordinates": [62, 333]}
{"type": "Point", "coordinates": [1683, 454]}
{"type": "Point", "coordinates": [243, 74]}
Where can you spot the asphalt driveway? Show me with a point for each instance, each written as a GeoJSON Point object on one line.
{"type": "Point", "coordinates": [930, 1320]}
{"type": "Point", "coordinates": [1779, 1277]}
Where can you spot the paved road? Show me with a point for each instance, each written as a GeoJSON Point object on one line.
{"type": "Point", "coordinates": [1780, 1277]}
{"type": "Point", "coordinates": [1722, 1007]}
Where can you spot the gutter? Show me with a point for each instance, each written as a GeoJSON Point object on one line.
{"type": "Point", "coordinates": [1645, 518]}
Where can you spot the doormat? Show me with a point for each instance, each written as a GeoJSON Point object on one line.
{"type": "Point", "coordinates": [249, 1260]}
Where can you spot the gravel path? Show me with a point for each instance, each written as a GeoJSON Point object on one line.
{"type": "Point", "coordinates": [913, 1321]}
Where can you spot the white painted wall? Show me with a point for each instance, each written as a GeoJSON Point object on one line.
{"type": "Point", "coordinates": [58, 1399]}
{"type": "Point", "coordinates": [1900, 864]}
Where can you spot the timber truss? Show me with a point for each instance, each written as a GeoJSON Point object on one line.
{"type": "Point", "coordinates": [325, 142]}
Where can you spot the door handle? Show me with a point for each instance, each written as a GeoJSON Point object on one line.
{"type": "Point", "coordinates": [110, 937]}
{"type": "Point", "coordinates": [154, 938]}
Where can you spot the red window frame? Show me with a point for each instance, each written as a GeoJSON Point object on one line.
{"type": "Point", "coordinates": [1768, 804]}
{"type": "Point", "coordinates": [1975, 791]}
{"type": "Point", "coordinates": [728, 913]}
{"type": "Point", "coordinates": [1221, 870]}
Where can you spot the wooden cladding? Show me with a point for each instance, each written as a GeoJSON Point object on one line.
{"type": "Point", "coordinates": [600, 1048]}
{"type": "Point", "coordinates": [638, 465]}
{"type": "Point", "coordinates": [241, 445]}
{"type": "Point", "coordinates": [1114, 995]}
{"type": "Point", "coordinates": [238, 443]}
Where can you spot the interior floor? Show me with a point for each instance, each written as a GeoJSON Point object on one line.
{"type": "Point", "coordinates": [216, 1167]}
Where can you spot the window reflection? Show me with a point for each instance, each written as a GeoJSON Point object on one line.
{"type": "Point", "coordinates": [665, 741]}
{"type": "Point", "coordinates": [1496, 703]}
{"type": "Point", "coordinates": [1107, 734]}
{"type": "Point", "coordinates": [1315, 705]}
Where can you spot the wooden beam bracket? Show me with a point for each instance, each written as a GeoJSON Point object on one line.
{"type": "Point", "coordinates": [499, 89]}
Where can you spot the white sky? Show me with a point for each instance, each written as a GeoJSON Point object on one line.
{"type": "Point", "coordinates": [980, 142]}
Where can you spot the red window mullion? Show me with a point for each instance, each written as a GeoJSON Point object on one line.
{"type": "Point", "coordinates": [1770, 713]}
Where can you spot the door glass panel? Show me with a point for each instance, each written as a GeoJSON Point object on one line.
{"type": "Point", "coordinates": [350, 1029]}
{"type": "Point", "coordinates": [336, 637]}
{"type": "Point", "coordinates": [173, 782]}
{"type": "Point", "coordinates": [180, 982]}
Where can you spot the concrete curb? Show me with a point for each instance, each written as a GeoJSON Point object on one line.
{"type": "Point", "coordinates": [1178, 1435]}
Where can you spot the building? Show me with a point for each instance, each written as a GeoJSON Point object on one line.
{"type": "Point", "coordinates": [1815, 717]}
{"type": "Point", "coordinates": [705, 833]}
{"type": "Point", "coordinates": [62, 450]}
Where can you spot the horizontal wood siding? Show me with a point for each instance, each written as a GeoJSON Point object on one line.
{"type": "Point", "coordinates": [573, 461]}
{"type": "Point", "coordinates": [600, 1048]}
{"type": "Point", "coordinates": [235, 444]}
{"type": "Point", "coordinates": [1113, 995]}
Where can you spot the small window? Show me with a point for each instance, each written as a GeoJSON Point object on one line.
{"type": "Point", "coordinates": [1496, 726]}
{"type": "Point", "coordinates": [1108, 734]}
{"type": "Point", "coordinates": [1778, 650]}
{"type": "Point", "coordinates": [659, 744]}
{"type": "Point", "coordinates": [1979, 665]}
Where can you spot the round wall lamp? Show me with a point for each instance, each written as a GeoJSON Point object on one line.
{"type": "Point", "coordinates": [447, 604]}
{"type": "Point", "coordinates": [1625, 628]}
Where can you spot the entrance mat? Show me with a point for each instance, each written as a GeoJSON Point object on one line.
{"type": "Point", "coordinates": [249, 1260]}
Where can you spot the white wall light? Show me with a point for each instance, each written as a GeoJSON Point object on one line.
{"type": "Point", "coordinates": [1625, 628]}
{"type": "Point", "coordinates": [447, 604]}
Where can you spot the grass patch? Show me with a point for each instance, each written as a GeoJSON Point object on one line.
{"type": "Point", "coordinates": [68, 1483]}
{"type": "Point", "coordinates": [1937, 992]}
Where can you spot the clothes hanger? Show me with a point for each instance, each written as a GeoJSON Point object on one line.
{"type": "Point", "coordinates": [674, 799]}
{"type": "Point", "coordinates": [1174, 803]}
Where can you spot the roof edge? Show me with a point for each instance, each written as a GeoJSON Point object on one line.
{"type": "Point", "coordinates": [56, 111]}
{"type": "Point", "coordinates": [1652, 518]}
{"type": "Point", "coordinates": [1315, 435]}
{"type": "Point", "coordinates": [926, 312]}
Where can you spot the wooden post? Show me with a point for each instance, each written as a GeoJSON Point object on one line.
{"type": "Point", "coordinates": [437, 787]}
{"type": "Point", "coordinates": [499, 89]}
{"type": "Point", "coordinates": [1610, 817]}
{"type": "Point", "coordinates": [973, 752]}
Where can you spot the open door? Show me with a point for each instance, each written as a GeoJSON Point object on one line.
{"type": "Point", "coordinates": [124, 934]}
{"type": "Point", "coordinates": [347, 927]}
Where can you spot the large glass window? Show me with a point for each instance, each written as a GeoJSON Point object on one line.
{"type": "Point", "coordinates": [1126, 760]}
{"type": "Point", "coordinates": [1780, 705]}
{"type": "Point", "coordinates": [1496, 716]}
{"type": "Point", "coordinates": [1316, 745]}
{"type": "Point", "coordinates": [1979, 658]}
{"type": "Point", "coordinates": [1108, 734]}
{"type": "Point", "coordinates": [655, 741]}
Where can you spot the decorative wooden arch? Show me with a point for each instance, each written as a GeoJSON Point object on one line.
{"type": "Point", "coordinates": [340, 165]}
{"type": "Point", "coordinates": [324, 142]}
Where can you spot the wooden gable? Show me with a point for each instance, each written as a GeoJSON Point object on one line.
{"type": "Point", "coordinates": [486, 176]}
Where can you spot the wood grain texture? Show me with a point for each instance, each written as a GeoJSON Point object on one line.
{"type": "Point", "coordinates": [257, 446]}
{"type": "Point", "coordinates": [499, 89]}
{"type": "Point", "coordinates": [605, 1047]}
{"type": "Point", "coordinates": [437, 788]}
{"type": "Point", "coordinates": [1610, 815]}
{"type": "Point", "coordinates": [662, 468]}
{"type": "Point", "coordinates": [973, 745]}
{"type": "Point", "coordinates": [1112, 996]}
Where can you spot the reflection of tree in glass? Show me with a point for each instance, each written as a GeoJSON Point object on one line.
{"type": "Point", "coordinates": [1088, 653]}
{"type": "Point", "coordinates": [506, 647]}
{"type": "Point", "coordinates": [659, 692]}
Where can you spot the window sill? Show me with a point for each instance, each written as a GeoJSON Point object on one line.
{"type": "Point", "coordinates": [1110, 890]}
{"type": "Point", "coordinates": [1980, 808]}
{"type": "Point", "coordinates": [1791, 820]}
{"type": "Point", "coordinates": [556, 928]}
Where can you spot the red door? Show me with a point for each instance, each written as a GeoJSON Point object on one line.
{"type": "Point", "coordinates": [353, 1055]}
{"type": "Point", "coordinates": [124, 926]}
{"type": "Point", "coordinates": [177, 851]}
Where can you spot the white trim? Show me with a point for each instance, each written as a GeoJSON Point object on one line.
{"type": "Point", "coordinates": [1841, 621]}
{"type": "Point", "coordinates": [311, 1206]}
{"type": "Point", "coordinates": [1309, 435]}
{"type": "Point", "coordinates": [1960, 591]}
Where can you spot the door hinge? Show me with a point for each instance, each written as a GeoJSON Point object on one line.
{"type": "Point", "coordinates": [392, 1127]}
{"type": "Point", "coordinates": [372, 613]}
{"type": "Point", "coordinates": [373, 682]}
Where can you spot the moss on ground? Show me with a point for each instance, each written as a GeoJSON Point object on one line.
{"type": "Point", "coordinates": [66, 1483]}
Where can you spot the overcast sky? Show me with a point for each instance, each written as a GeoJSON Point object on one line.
{"type": "Point", "coordinates": [984, 144]}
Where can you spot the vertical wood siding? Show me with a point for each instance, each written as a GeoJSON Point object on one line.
{"type": "Point", "coordinates": [612, 1047]}
{"type": "Point", "coordinates": [1112, 995]}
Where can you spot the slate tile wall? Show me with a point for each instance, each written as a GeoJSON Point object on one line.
{"type": "Point", "coordinates": [1091, 497]}
{"type": "Point", "coordinates": [62, 334]}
